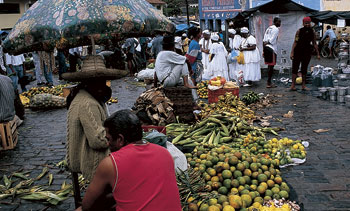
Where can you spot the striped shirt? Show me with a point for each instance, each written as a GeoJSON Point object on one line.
{"type": "Point", "coordinates": [7, 99]}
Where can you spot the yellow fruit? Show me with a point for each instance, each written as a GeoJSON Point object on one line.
{"type": "Point", "coordinates": [235, 201]}
{"type": "Point", "coordinates": [246, 200]}
{"type": "Point", "coordinates": [192, 207]}
{"type": "Point", "coordinates": [261, 189]}
{"type": "Point", "coordinates": [204, 207]}
{"type": "Point", "coordinates": [190, 199]}
{"type": "Point", "coordinates": [213, 208]}
{"type": "Point", "coordinates": [213, 201]}
{"type": "Point", "coordinates": [228, 208]}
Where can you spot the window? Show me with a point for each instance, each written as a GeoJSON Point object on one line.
{"type": "Point", "coordinates": [159, 7]}
{"type": "Point", "coordinates": [9, 8]}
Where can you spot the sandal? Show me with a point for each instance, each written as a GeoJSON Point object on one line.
{"type": "Point", "coordinates": [292, 89]}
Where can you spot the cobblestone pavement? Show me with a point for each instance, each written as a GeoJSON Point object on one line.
{"type": "Point", "coordinates": [322, 183]}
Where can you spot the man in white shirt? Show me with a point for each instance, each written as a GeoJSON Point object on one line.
{"type": "Point", "coordinates": [170, 66]}
{"type": "Point", "coordinates": [332, 39]}
{"type": "Point", "coordinates": [270, 48]}
{"type": "Point", "coordinates": [15, 69]}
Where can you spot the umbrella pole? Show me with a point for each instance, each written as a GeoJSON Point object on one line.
{"type": "Point", "coordinates": [93, 46]}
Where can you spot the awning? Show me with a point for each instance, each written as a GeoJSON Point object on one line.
{"type": "Point", "coordinates": [330, 17]}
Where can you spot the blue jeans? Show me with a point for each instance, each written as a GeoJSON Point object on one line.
{"type": "Point", "coordinates": [62, 66]}
{"type": "Point", "coordinates": [47, 75]}
{"type": "Point", "coordinates": [13, 76]}
{"type": "Point", "coordinates": [20, 74]}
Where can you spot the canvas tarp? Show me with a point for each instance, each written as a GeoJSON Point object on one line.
{"type": "Point", "coordinates": [330, 17]}
{"type": "Point", "coordinates": [291, 22]}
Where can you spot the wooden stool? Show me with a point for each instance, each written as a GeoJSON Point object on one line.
{"type": "Point", "coordinates": [8, 135]}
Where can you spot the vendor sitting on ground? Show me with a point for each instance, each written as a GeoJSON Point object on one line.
{"type": "Point", "coordinates": [170, 66]}
{"type": "Point", "coordinates": [7, 96]}
{"type": "Point", "coordinates": [11, 107]}
{"type": "Point", "coordinates": [141, 175]}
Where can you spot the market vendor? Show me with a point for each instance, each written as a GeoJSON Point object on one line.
{"type": "Point", "coordinates": [86, 137]}
{"type": "Point", "coordinates": [140, 174]}
{"type": "Point", "coordinates": [170, 67]}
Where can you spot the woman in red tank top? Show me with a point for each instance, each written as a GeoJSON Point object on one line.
{"type": "Point", "coordinates": [141, 174]}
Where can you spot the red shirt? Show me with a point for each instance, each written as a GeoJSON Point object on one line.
{"type": "Point", "coordinates": [145, 179]}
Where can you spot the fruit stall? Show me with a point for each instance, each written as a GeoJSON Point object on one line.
{"type": "Point", "coordinates": [233, 164]}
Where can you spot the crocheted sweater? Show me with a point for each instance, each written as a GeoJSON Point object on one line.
{"type": "Point", "coordinates": [86, 136]}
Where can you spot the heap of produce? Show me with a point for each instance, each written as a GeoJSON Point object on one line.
{"type": "Point", "coordinates": [250, 98]}
{"type": "Point", "coordinates": [228, 103]}
{"type": "Point", "coordinates": [47, 101]}
{"type": "Point", "coordinates": [226, 129]}
{"type": "Point", "coordinates": [202, 90]}
{"type": "Point", "coordinates": [45, 93]}
{"type": "Point", "coordinates": [56, 90]}
{"type": "Point", "coordinates": [216, 129]}
{"type": "Point", "coordinates": [20, 185]}
{"type": "Point", "coordinates": [158, 107]}
{"type": "Point", "coordinates": [235, 178]}
{"type": "Point", "coordinates": [231, 85]}
{"type": "Point", "coordinates": [217, 81]}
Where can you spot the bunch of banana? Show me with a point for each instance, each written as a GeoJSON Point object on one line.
{"type": "Point", "coordinates": [228, 103]}
{"type": "Point", "coordinates": [216, 129]}
{"type": "Point", "coordinates": [202, 90]}
{"type": "Point", "coordinates": [176, 129]}
{"type": "Point", "coordinates": [250, 98]}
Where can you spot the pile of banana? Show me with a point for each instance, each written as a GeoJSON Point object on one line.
{"type": "Point", "coordinates": [250, 98]}
{"type": "Point", "coordinates": [228, 103]}
{"type": "Point", "coordinates": [202, 90]}
{"type": "Point", "coordinates": [218, 128]}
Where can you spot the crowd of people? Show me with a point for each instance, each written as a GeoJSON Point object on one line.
{"type": "Point", "coordinates": [102, 148]}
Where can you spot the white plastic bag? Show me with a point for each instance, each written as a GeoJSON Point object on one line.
{"type": "Point", "coordinates": [240, 78]}
{"type": "Point", "coordinates": [180, 160]}
{"type": "Point", "coordinates": [146, 73]}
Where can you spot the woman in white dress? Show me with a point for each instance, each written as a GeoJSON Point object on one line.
{"type": "Point", "coordinates": [218, 63]}
{"type": "Point", "coordinates": [205, 44]}
{"type": "Point", "coordinates": [235, 43]}
{"type": "Point", "coordinates": [251, 70]}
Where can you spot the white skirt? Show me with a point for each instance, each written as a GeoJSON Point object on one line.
{"type": "Point", "coordinates": [218, 67]}
{"type": "Point", "coordinates": [252, 72]}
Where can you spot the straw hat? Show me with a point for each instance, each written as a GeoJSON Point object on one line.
{"type": "Point", "coordinates": [94, 68]}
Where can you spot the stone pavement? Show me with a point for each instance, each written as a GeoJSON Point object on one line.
{"type": "Point", "coordinates": [322, 183]}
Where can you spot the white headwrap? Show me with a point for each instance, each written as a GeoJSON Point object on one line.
{"type": "Point", "coordinates": [215, 37]}
{"type": "Point", "coordinates": [184, 35]}
{"type": "Point", "coordinates": [206, 32]}
{"type": "Point", "coordinates": [178, 43]}
{"type": "Point", "coordinates": [245, 30]}
{"type": "Point", "coordinates": [232, 31]}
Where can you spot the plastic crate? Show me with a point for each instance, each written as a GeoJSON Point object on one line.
{"type": "Point", "coordinates": [8, 135]}
{"type": "Point", "coordinates": [214, 94]}
{"type": "Point", "coordinates": [161, 129]}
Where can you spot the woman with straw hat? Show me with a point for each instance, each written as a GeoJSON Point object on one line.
{"type": "Point", "coordinates": [86, 136]}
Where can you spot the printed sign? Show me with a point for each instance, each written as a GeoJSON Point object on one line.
{"type": "Point", "coordinates": [221, 9]}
